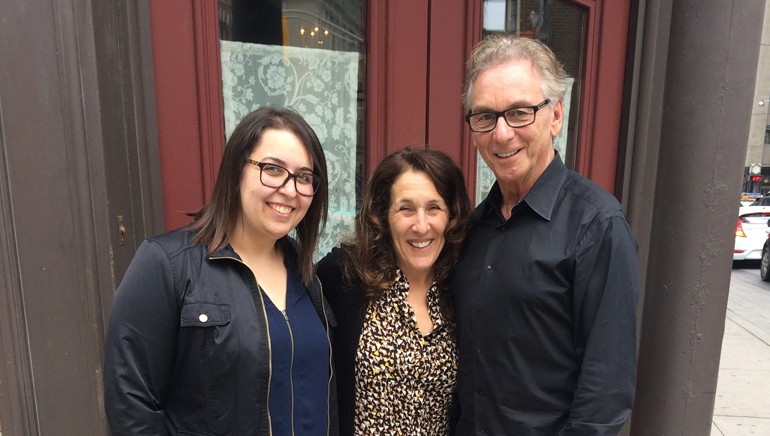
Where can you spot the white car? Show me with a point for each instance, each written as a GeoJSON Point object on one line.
{"type": "Point", "coordinates": [751, 232]}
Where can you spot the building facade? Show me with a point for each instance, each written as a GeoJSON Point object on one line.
{"type": "Point", "coordinates": [757, 170]}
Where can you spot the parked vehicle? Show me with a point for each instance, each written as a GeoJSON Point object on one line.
{"type": "Point", "coordinates": [761, 201]}
{"type": "Point", "coordinates": [747, 198]}
{"type": "Point", "coordinates": [751, 232]}
{"type": "Point", "coordinates": [764, 264]}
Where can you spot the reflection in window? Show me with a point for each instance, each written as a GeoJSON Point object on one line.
{"type": "Point", "coordinates": [767, 134]}
{"type": "Point", "coordinates": [560, 24]}
{"type": "Point", "coordinates": [308, 56]}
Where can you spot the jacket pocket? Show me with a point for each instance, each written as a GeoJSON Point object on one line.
{"type": "Point", "coordinates": [204, 315]}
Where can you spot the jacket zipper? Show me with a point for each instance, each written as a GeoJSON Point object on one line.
{"type": "Point", "coordinates": [291, 368]}
{"type": "Point", "coordinates": [270, 350]}
{"type": "Point", "coordinates": [331, 360]}
{"type": "Point", "coordinates": [269, 343]}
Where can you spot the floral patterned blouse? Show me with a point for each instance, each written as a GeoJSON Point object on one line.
{"type": "Point", "coordinates": [404, 380]}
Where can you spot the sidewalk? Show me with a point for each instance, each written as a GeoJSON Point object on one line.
{"type": "Point", "coordinates": [742, 405]}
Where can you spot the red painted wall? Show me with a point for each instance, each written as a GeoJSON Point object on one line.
{"type": "Point", "coordinates": [188, 91]}
{"type": "Point", "coordinates": [416, 54]}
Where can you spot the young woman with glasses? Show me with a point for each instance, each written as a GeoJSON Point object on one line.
{"type": "Point", "coordinates": [221, 327]}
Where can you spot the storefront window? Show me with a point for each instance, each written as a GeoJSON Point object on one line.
{"type": "Point", "coordinates": [560, 24]}
{"type": "Point", "coordinates": [308, 56]}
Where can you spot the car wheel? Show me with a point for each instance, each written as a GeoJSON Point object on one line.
{"type": "Point", "coordinates": [764, 265]}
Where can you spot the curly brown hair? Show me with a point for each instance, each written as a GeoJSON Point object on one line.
{"type": "Point", "coordinates": [372, 258]}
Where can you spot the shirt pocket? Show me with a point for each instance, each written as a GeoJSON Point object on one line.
{"type": "Point", "coordinates": [204, 315]}
{"type": "Point", "coordinates": [206, 334]}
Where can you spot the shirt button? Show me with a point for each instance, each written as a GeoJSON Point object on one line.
{"type": "Point", "coordinates": [203, 317]}
{"type": "Point", "coordinates": [481, 393]}
{"type": "Point", "coordinates": [478, 350]}
{"type": "Point", "coordinates": [489, 267]}
{"type": "Point", "coordinates": [482, 431]}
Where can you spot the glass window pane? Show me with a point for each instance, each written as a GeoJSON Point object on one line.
{"type": "Point", "coordinates": [308, 56]}
{"type": "Point", "coordinates": [560, 24]}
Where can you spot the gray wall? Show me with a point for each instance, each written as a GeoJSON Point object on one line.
{"type": "Point", "coordinates": [690, 101]}
{"type": "Point", "coordinates": [76, 136]}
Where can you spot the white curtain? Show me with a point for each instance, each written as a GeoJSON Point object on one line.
{"type": "Point", "coordinates": [321, 85]}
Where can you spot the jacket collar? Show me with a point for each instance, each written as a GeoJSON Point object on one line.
{"type": "Point", "coordinates": [225, 252]}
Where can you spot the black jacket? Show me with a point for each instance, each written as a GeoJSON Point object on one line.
{"type": "Point", "coordinates": [349, 304]}
{"type": "Point", "coordinates": [187, 350]}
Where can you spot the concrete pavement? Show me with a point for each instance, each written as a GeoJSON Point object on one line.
{"type": "Point", "coordinates": [742, 405]}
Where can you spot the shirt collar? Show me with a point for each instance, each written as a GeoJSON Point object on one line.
{"type": "Point", "coordinates": [541, 198]}
{"type": "Point", "coordinates": [399, 289]}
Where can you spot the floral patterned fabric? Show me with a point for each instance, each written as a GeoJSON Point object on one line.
{"type": "Point", "coordinates": [320, 85]}
{"type": "Point", "coordinates": [404, 380]}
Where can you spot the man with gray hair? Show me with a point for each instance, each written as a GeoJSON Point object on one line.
{"type": "Point", "coordinates": [547, 286]}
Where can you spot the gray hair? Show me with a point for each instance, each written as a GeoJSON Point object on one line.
{"type": "Point", "coordinates": [499, 48]}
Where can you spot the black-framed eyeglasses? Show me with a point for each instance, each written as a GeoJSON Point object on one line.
{"type": "Point", "coordinates": [275, 176]}
{"type": "Point", "coordinates": [515, 117]}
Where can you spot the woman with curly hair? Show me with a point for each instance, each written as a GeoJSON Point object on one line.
{"type": "Point", "coordinates": [394, 345]}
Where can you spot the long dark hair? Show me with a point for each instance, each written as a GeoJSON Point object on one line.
{"type": "Point", "coordinates": [214, 222]}
{"type": "Point", "coordinates": [371, 258]}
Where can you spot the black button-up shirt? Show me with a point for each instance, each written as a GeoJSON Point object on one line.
{"type": "Point", "coordinates": [546, 312]}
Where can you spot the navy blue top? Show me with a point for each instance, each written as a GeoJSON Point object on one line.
{"type": "Point", "coordinates": [299, 383]}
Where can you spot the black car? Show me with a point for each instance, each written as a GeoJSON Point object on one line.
{"type": "Point", "coordinates": [764, 265]}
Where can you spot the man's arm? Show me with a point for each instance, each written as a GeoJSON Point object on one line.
{"type": "Point", "coordinates": [606, 291]}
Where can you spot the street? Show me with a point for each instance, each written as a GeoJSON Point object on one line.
{"type": "Point", "coordinates": [742, 405]}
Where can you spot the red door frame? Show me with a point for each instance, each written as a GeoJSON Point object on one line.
{"type": "Point", "coordinates": [455, 28]}
{"type": "Point", "coordinates": [416, 53]}
{"type": "Point", "coordinates": [415, 66]}
{"type": "Point", "coordinates": [397, 70]}
{"type": "Point", "coordinates": [600, 117]}
{"type": "Point", "coordinates": [399, 100]}
{"type": "Point", "coordinates": [188, 94]}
